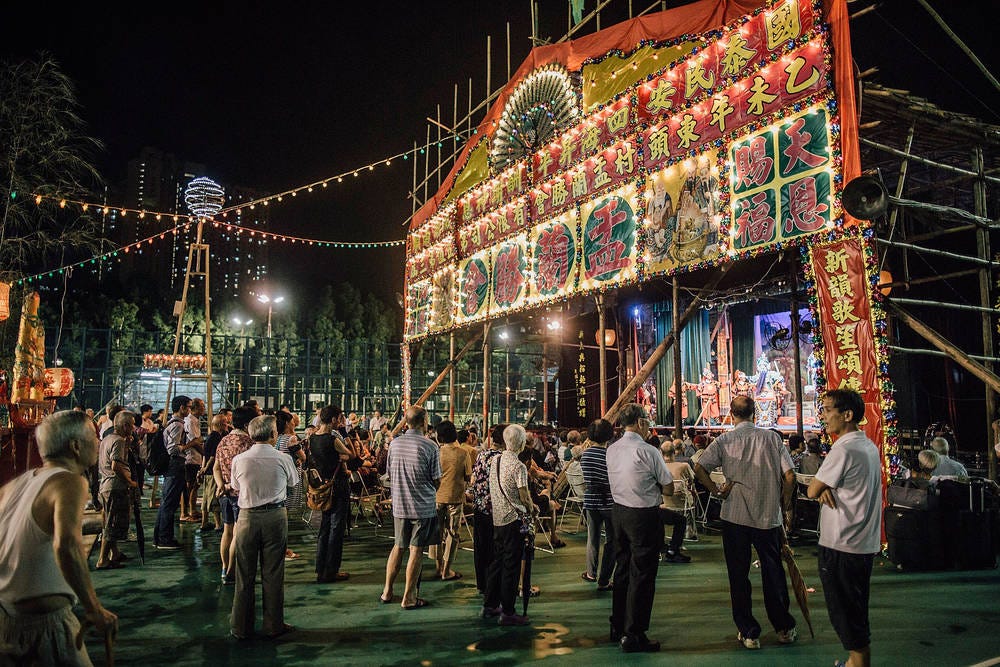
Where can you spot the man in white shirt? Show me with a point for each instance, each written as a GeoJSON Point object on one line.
{"type": "Point", "coordinates": [849, 486]}
{"type": "Point", "coordinates": [639, 479]}
{"type": "Point", "coordinates": [262, 477]}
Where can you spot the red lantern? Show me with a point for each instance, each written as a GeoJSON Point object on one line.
{"type": "Point", "coordinates": [58, 382]}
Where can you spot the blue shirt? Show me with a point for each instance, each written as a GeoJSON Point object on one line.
{"type": "Point", "coordinates": [414, 469]}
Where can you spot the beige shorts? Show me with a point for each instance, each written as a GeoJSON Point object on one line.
{"type": "Point", "coordinates": [41, 639]}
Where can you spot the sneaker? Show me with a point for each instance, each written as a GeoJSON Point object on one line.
{"type": "Point", "coordinates": [513, 619]}
{"type": "Point", "coordinates": [168, 546]}
{"type": "Point", "coordinates": [748, 642]}
{"type": "Point", "coordinates": [788, 636]}
{"type": "Point", "coordinates": [490, 612]}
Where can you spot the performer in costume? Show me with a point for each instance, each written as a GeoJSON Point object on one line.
{"type": "Point", "coordinates": [708, 392]}
{"type": "Point", "coordinates": [742, 386]}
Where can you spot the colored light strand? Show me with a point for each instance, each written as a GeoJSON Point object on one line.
{"type": "Point", "coordinates": [106, 209]}
{"type": "Point", "coordinates": [271, 236]}
{"type": "Point", "coordinates": [339, 178]}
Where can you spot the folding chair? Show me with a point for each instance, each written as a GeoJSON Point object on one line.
{"type": "Point", "coordinates": [690, 509]}
{"type": "Point", "coordinates": [577, 489]}
{"type": "Point", "coordinates": [803, 501]}
{"type": "Point", "coordinates": [364, 497]}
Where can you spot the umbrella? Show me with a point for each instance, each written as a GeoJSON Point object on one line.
{"type": "Point", "coordinates": [527, 555]}
{"type": "Point", "coordinates": [140, 538]}
{"type": "Point", "coordinates": [798, 583]}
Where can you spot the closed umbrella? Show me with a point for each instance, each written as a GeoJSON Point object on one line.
{"type": "Point", "coordinates": [527, 556]}
{"type": "Point", "coordinates": [140, 537]}
{"type": "Point", "coordinates": [797, 582]}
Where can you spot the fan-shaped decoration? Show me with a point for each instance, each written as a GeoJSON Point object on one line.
{"type": "Point", "coordinates": [780, 339]}
{"type": "Point", "coordinates": [542, 105]}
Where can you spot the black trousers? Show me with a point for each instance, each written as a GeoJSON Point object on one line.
{"type": "Point", "coordinates": [846, 585]}
{"type": "Point", "coordinates": [639, 538]}
{"type": "Point", "coordinates": [505, 570]}
{"type": "Point", "coordinates": [679, 523]}
{"type": "Point", "coordinates": [736, 542]}
{"type": "Point", "coordinates": [330, 540]}
{"type": "Point", "coordinates": [482, 547]}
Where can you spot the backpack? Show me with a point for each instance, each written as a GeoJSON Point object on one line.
{"type": "Point", "coordinates": [158, 460]}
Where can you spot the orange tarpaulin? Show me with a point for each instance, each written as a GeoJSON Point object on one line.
{"type": "Point", "coordinates": [691, 20]}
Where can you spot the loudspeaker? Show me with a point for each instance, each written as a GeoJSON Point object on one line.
{"type": "Point", "coordinates": [865, 198]}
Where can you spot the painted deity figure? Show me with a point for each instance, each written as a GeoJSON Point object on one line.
{"type": "Point", "coordinates": [742, 386]}
{"type": "Point", "coordinates": [663, 221]}
{"type": "Point", "coordinates": [672, 395]}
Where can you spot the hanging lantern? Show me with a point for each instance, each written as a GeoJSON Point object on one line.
{"type": "Point", "coordinates": [4, 301]}
{"type": "Point", "coordinates": [58, 382]}
{"type": "Point", "coordinates": [609, 337]}
{"type": "Point", "coordinates": [884, 282]}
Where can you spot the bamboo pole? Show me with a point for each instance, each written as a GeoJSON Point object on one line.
{"type": "Point", "coordinates": [678, 380]}
{"type": "Point", "coordinates": [438, 380]}
{"type": "Point", "coordinates": [938, 341]}
{"type": "Point", "coordinates": [661, 350]}
{"type": "Point", "coordinates": [797, 352]}
{"type": "Point", "coordinates": [986, 302]}
{"type": "Point", "coordinates": [602, 360]}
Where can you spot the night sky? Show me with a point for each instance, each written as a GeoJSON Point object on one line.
{"type": "Point", "coordinates": [272, 98]}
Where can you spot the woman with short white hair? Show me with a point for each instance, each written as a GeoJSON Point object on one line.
{"type": "Point", "coordinates": [513, 513]}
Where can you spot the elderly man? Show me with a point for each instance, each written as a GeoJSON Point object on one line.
{"type": "Point", "coordinates": [639, 479]}
{"type": "Point", "coordinates": [44, 568]}
{"type": "Point", "coordinates": [759, 477]}
{"type": "Point", "coordinates": [946, 465]}
{"type": "Point", "coordinates": [414, 477]}
{"type": "Point", "coordinates": [176, 440]}
{"type": "Point", "coordinates": [262, 476]}
{"type": "Point", "coordinates": [849, 488]}
{"type": "Point", "coordinates": [116, 484]}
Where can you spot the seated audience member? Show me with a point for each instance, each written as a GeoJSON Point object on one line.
{"type": "Point", "coordinates": [810, 463]}
{"type": "Point", "coordinates": [927, 461]}
{"type": "Point", "coordinates": [946, 466]}
{"type": "Point", "coordinates": [540, 486]}
{"type": "Point", "coordinates": [672, 508]}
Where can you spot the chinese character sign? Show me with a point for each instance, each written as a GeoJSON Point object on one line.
{"type": "Point", "coordinates": [608, 238]}
{"type": "Point", "coordinates": [473, 288]}
{"type": "Point", "coordinates": [781, 181]}
{"type": "Point", "coordinates": [845, 319]}
{"type": "Point", "coordinates": [509, 274]}
{"type": "Point", "coordinates": [554, 261]}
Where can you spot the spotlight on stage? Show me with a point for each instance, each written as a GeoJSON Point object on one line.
{"type": "Point", "coordinates": [865, 198]}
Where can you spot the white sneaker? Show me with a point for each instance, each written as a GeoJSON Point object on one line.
{"type": "Point", "coordinates": [788, 636]}
{"type": "Point", "coordinates": [748, 642]}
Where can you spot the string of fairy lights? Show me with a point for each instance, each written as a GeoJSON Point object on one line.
{"type": "Point", "coordinates": [182, 222]}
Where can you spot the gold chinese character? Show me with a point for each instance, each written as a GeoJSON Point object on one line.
{"type": "Point", "coordinates": [540, 198]}
{"type": "Point", "coordinates": [782, 24]}
{"type": "Point", "coordinates": [544, 162]}
{"type": "Point", "coordinates": [566, 157]}
{"type": "Point", "coordinates": [696, 77]}
{"type": "Point", "coordinates": [836, 261]}
{"type": "Point", "coordinates": [845, 334]}
{"type": "Point", "coordinates": [658, 146]}
{"type": "Point", "coordinates": [720, 109]}
{"type": "Point", "coordinates": [686, 133]}
{"type": "Point", "coordinates": [850, 362]}
{"type": "Point", "coordinates": [579, 183]}
{"type": "Point", "coordinates": [559, 193]}
{"type": "Point", "coordinates": [591, 139]}
{"type": "Point", "coordinates": [625, 162]}
{"type": "Point", "coordinates": [660, 100]}
{"type": "Point", "coordinates": [852, 382]}
{"type": "Point", "coordinates": [618, 121]}
{"type": "Point", "coordinates": [843, 311]}
{"type": "Point", "coordinates": [841, 287]}
{"type": "Point", "coordinates": [519, 216]}
{"type": "Point", "coordinates": [737, 55]}
{"type": "Point", "coordinates": [793, 85]}
{"type": "Point", "coordinates": [601, 176]}
{"type": "Point", "coordinates": [760, 96]}
{"type": "Point", "coordinates": [514, 182]}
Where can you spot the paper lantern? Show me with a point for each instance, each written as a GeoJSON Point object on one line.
{"type": "Point", "coordinates": [609, 337]}
{"type": "Point", "coordinates": [4, 301]}
{"type": "Point", "coordinates": [58, 382]}
{"type": "Point", "coordinates": [884, 282]}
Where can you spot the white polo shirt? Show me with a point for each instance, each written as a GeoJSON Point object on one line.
{"type": "Point", "coordinates": [262, 476]}
{"type": "Point", "coordinates": [853, 471]}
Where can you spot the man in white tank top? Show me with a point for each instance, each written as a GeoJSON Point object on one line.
{"type": "Point", "coordinates": [42, 566]}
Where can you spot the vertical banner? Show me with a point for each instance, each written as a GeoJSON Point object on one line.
{"type": "Point", "coordinates": [845, 318]}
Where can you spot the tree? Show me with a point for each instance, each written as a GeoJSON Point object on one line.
{"type": "Point", "coordinates": [43, 151]}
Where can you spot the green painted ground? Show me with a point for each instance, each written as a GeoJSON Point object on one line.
{"type": "Point", "coordinates": [174, 611]}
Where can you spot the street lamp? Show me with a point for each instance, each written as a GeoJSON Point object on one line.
{"type": "Point", "coordinates": [242, 324]}
{"type": "Point", "coordinates": [264, 298]}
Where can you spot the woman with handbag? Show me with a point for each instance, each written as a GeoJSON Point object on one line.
{"type": "Point", "coordinates": [513, 518]}
{"type": "Point", "coordinates": [331, 456]}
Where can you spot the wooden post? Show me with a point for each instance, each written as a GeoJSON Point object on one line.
{"type": "Point", "coordinates": [678, 380]}
{"type": "Point", "coordinates": [796, 353]}
{"type": "Point", "coordinates": [545, 382]}
{"type": "Point", "coordinates": [661, 349]}
{"type": "Point", "coordinates": [439, 379]}
{"type": "Point", "coordinates": [986, 301]}
{"type": "Point", "coordinates": [602, 360]}
{"type": "Point", "coordinates": [451, 378]}
{"type": "Point", "coordinates": [937, 340]}
{"type": "Point", "coordinates": [486, 378]}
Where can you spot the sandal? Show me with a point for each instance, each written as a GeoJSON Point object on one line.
{"type": "Point", "coordinates": [454, 577]}
{"type": "Point", "coordinates": [419, 604]}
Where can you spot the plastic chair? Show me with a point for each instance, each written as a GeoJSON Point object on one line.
{"type": "Point", "coordinates": [577, 489]}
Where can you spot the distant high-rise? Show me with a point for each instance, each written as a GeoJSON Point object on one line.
{"type": "Point", "coordinates": [156, 182]}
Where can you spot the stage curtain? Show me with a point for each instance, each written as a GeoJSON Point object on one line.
{"type": "Point", "coordinates": [695, 352]}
